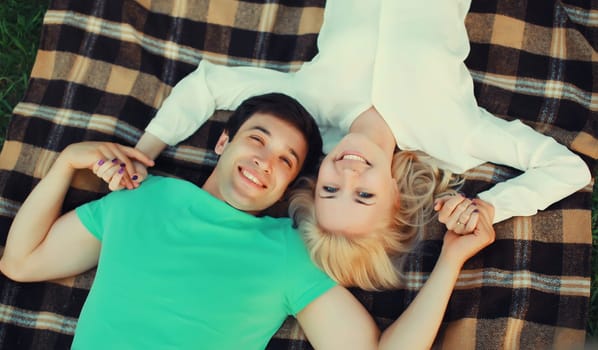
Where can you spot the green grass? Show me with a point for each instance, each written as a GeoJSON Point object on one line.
{"type": "Point", "coordinates": [20, 24]}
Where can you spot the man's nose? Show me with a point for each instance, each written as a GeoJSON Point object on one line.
{"type": "Point", "coordinates": [264, 163]}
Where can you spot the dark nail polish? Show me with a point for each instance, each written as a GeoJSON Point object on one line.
{"type": "Point", "coordinates": [134, 177]}
{"type": "Point", "coordinates": [115, 160]}
{"type": "Point", "coordinates": [122, 165]}
{"type": "Point", "coordinates": [121, 170]}
{"type": "Point", "coordinates": [100, 162]}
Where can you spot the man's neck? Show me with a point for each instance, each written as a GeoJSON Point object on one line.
{"type": "Point", "coordinates": [211, 186]}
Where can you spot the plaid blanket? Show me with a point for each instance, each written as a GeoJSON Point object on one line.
{"type": "Point", "coordinates": [104, 68]}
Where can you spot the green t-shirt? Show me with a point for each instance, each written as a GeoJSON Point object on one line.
{"type": "Point", "coordinates": [180, 269]}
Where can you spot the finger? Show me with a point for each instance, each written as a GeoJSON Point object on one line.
{"type": "Point", "coordinates": [486, 209]}
{"type": "Point", "coordinates": [453, 220]}
{"type": "Point", "coordinates": [115, 183]}
{"type": "Point", "coordinates": [102, 169]}
{"type": "Point", "coordinates": [461, 227]}
{"type": "Point", "coordinates": [110, 172]}
{"type": "Point", "coordinates": [125, 181]}
{"type": "Point", "coordinates": [466, 215]}
{"type": "Point", "coordinates": [448, 207]}
{"type": "Point", "coordinates": [138, 155]}
{"type": "Point", "coordinates": [121, 154]}
{"type": "Point", "coordinates": [140, 174]}
{"type": "Point", "coordinates": [472, 222]}
{"type": "Point", "coordinates": [439, 202]}
{"type": "Point", "coordinates": [97, 165]}
{"type": "Point", "coordinates": [126, 178]}
{"type": "Point", "coordinates": [485, 229]}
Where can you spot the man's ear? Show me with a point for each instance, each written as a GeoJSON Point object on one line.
{"type": "Point", "coordinates": [221, 144]}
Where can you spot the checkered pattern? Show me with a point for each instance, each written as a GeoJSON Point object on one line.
{"type": "Point", "coordinates": [104, 67]}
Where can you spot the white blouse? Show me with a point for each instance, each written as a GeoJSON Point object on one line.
{"type": "Point", "coordinates": [406, 58]}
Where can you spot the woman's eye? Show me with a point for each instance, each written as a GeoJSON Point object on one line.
{"type": "Point", "coordinates": [365, 195]}
{"type": "Point", "coordinates": [329, 189]}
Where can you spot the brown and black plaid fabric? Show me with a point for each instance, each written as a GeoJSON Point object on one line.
{"type": "Point", "coordinates": [104, 68]}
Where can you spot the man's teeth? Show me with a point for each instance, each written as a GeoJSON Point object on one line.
{"type": "Point", "coordinates": [251, 177]}
{"type": "Point", "coordinates": [353, 157]}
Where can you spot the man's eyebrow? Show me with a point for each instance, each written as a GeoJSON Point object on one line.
{"type": "Point", "coordinates": [262, 129]}
{"type": "Point", "coordinates": [267, 132]}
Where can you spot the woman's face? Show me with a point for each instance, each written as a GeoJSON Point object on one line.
{"type": "Point", "coordinates": [355, 191]}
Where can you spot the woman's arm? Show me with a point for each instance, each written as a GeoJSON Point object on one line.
{"type": "Point", "coordinates": [551, 172]}
{"type": "Point", "coordinates": [210, 87]}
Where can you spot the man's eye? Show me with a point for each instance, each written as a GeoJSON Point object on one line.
{"type": "Point", "coordinates": [363, 194]}
{"type": "Point", "coordinates": [329, 189]}
{"type": "Point", "coordinates": [257, 138]}
{"type": "Point", "coordinates": [287, 161]}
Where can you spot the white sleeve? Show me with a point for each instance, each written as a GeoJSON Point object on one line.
{"type": "Point", "coordinates": [551, 172]}
{"type": "Point", "coordinates": [210, 87]}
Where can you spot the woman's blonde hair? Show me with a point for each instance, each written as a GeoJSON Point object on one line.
{"type": "Point", "coordinates": [374, 261]}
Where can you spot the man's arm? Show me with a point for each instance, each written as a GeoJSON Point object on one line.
{"type": "Point", "coordinates": [43, 245]}
{"type": "Point", "coordinates": [336, 320]}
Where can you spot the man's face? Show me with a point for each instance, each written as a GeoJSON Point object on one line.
{"type": "Point", "coordinates": [257, 165]}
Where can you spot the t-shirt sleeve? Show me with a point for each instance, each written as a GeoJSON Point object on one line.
{"type": "Point", "coordinates": [305, 281]}
{"type": "Point", "coordinates": [92, 216]}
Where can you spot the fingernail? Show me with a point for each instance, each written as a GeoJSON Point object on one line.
{"type": "Point", "coordinates": [121, 170]}
{"type": "Point", "coordinates": [134, 177]}
{"type": "Point", "coordinates": [122, 165]}
{"type": "Point", "coordinates": [114, 160]}
{"type": "Point", "coordinates": [475, 210]}
{"type": "Point", "coordinates": [100, 162]}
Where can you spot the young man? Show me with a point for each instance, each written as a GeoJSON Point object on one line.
{"type": "Point", "coordinates": [185, 267]}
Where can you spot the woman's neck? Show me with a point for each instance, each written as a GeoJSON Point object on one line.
{"type": "Point", "coordinates": [371, 124]}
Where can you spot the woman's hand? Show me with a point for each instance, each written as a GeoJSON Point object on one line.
{"type": "Point", "coordinates": [128, 179]}
{"type": "Point", "coordinates": [112, 162]}
{"type": "Point", "coordinates": [459, 214]}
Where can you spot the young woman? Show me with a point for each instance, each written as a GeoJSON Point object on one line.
{"type": "Point", "coordinates": [388, 73]}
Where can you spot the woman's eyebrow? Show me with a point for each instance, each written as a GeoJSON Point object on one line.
{"type": "Point", "coordinates": [332, 196]}
{"type": "Point", "coordinates": [363, 203]}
